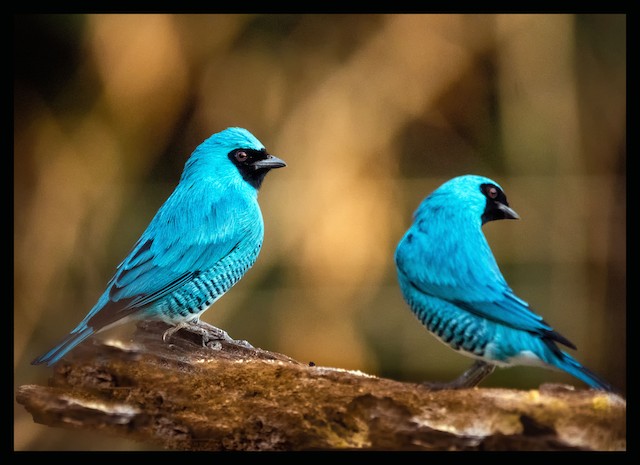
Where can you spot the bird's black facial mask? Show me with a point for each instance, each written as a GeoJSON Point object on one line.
{"type": "Point", "coordinates": [254, 164]}
{"type": "Point", "coordinates": [497, 207]}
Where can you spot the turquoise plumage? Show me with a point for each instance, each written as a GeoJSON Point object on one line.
{"type": "Point", "coordinates": [201, 241]}
{"type": "Point", "coordinates": [450, 279]}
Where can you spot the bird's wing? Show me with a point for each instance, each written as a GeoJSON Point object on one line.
{"type": "Point", "coordinates": [505, 307]}
{"type": "Point", "coordinates": [178, 245]}
{"type": "Point", "coordinates": [476, 285]}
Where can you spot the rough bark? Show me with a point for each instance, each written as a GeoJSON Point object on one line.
{"type": "Point", "coordinates": [224, 396]}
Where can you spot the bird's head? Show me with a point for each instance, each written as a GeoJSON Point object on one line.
{"type": "Point", "coordinates": [233, 151]}
{"type": "Point", "coordinates": [476, 194]}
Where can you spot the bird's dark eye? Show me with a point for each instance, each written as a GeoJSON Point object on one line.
{"type": "Point", "coordinates": [492, 192]}
{"type": "Point", "coordinates": [241, 156]}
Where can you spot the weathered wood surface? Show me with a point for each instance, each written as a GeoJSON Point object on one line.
{"type": "Point", "coordinates": [181, 395]}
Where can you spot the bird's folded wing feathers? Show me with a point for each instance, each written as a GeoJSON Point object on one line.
{"type": "Point", "coordinates": [466, 274]}
{"type": "Point", "coordinates": [147, 281]}
{"type": "Point", "coordinates": [478, 288]}
{"type": "Point", "coordinates": [513, 311]}
{"type": "Point", "coordinates": [165, 258]}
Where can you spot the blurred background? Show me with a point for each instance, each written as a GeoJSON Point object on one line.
{"type": "Point", "coordinates": [371, 113]}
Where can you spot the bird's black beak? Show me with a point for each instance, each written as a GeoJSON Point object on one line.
{"type": "Point", "coordinates": [269, 163]}
{"type": "Point", "coordinates": [508, 212]}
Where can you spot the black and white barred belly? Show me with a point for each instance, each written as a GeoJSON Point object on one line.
{"type": "Point", "coordinates": [204, 287]}
{"type": "Point", "coordinates": [460, 330]}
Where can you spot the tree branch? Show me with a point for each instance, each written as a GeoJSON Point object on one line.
{"type": "Point", "coordinates": [225, 396]}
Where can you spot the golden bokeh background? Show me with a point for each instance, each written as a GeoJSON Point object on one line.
{"type": "Point", "coordinates": [371, 113]}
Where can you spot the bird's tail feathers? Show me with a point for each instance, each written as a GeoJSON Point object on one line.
{"type": "Point", "coordinates": [73, 339]}
{"type": "Point", "coordinates": [567, 363]}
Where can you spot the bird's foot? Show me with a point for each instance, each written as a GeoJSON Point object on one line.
{"type": "Point", "coordinates": [218, 334]}
{"type": "Point", "coordinates": [212, 337]}
{"type": "Point", "coordinates": [171, 331]}
{"type": "Point", "coordinates": [470, 378]}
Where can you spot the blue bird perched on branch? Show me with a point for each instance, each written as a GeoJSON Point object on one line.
{"type": "Point", "coordinates": [201, 242]}
{"type": "Point", "coordinates": [450, 279]}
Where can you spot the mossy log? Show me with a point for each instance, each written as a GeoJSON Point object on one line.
{"type": "Point", "coordinates": [224, 396]}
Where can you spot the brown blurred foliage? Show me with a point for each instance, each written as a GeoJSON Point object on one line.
{"type": "Point", "coordinates": [371, 113]}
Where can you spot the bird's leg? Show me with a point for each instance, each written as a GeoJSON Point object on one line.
{"type": "Point", "coordinates": [470, 378]}
{"type": "Point", "coordinates": [474, 375]}
{"type": "Point", "coordinates": [206, 331]}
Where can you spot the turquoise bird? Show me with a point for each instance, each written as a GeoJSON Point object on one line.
{"type": "Point", "coordinates": [200, 243]}
{"type": "Point", "coordinates": [451, 281]}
